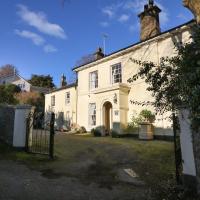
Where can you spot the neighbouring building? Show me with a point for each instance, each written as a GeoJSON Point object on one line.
{"type": "Point", "coordinates": [25, 86]}
{"type": "Point", "coordinates": [102, 96]}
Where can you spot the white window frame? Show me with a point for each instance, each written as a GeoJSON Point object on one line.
{"type": "Point", "coordinates": [67, 98]}
{"type": "Point", "coordinates": [114, 79]}
{"type": "Point", "coordinates": [92, 114]}
{"type": "Point", "coordinates": [93, 84]}
{"type": "Point", "coordinates": [53, 100]}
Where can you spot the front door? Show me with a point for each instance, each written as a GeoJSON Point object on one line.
{"type": "Point", "coordinates": [107, 116]}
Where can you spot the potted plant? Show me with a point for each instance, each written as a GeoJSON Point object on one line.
{"type": "Point", "coordinates": [146, 126]}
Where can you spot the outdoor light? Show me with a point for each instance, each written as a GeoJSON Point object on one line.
{"type": "Point", "coordinates": [115, 98]}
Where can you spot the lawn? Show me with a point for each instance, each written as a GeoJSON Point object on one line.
{"type": "Point", "coordinates": [97, 160]}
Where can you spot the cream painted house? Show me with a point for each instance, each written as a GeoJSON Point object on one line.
{"type": "Point", "coordinates": [63, 102]}
{"type": "Point", "coordinates": [102, 96]}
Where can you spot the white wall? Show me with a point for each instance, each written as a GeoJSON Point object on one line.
{"type": "Point", "coordinates": [23, 84]}
{"type": "Point", "coordinates": [186, 143]}
{"type": "Point", "coordinates": [151, 50]}
{"type": "Point", "coordinates": [60, 105]}
{"type": "Point", "coordinates": [19, 136]}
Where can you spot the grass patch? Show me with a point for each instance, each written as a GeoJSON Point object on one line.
{"type": "Point", "coordinates": [91, 159]}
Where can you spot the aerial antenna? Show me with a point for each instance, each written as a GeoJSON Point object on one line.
{"type": "Point", "coordinates": [105, 36]}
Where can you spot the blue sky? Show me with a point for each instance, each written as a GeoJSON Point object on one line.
{"type": "Point", "coordinates": [43, 37]}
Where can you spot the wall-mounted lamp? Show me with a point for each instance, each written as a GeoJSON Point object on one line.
{"type": "Point", "coordinates": [115, 98]}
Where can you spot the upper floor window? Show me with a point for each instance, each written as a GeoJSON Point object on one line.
{"type": "Point", "coordinates": [92, 114]}
{"type": "Point", "coordinates": [116, 73]}
{"type": "Point", "coordinates": [93, 80]}
{"type": "Point", "coordinates": [67, 98]}
{"type": "Point", "coordinates": [53, 100]}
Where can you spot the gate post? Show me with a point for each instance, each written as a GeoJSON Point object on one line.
{"type": "Point", "coordinates": [51, 143]}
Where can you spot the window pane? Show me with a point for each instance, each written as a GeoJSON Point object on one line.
{"type": "Point", "coordinates": [92, 114]}
{"type": "Point", "coordinates": [67, 98]}
{"type": "Point", "coordinates": [116, 73]}
{"type": "Point", "coordinates": [93, 80]}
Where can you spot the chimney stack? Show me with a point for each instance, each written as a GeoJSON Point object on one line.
{"type": "Point", "coordinates": [63, 81]}
{"type": "Point", "coordinates": [149, 21]}
{"type": "Point", "coordinates": [98, 54]}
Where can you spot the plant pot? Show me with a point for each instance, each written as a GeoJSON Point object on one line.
{"type": "Point", "coordinates": [146, 131]}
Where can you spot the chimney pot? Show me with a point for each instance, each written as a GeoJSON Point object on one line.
{"type": "Point", "coordinates": [99, 54]}
{"type": "Point", "coordinates": [149, 21]}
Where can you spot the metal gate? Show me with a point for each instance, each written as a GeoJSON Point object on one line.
{"type": "Point", "coordinates": [40, 133]}
{"type": "Point", "coordinates": [177, 149]}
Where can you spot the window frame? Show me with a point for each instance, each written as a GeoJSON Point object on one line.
{"type": "Point", "coordinates": [67, 99]}
{"type": "Point", "coordinates": [92, 114]}
{"type": "Point", "coordinates": [115, 80]}
{"type": "Point", "coordinates": [95, 82]}
{"type": "Point", "coordinates": [53, 100]}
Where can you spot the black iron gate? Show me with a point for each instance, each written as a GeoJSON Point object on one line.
{"type": "Point", "coordinates": [177, 149]}
{"type": "Point", "coordinates": [40, 133]}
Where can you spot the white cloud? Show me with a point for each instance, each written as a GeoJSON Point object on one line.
{"type": "Point", "coordinates": [108, 11]}
{"type": "Point", "coordinates": [182, 16]}
{"type": "Point", "coordinates": [104, 24]}
{"type": "Point", "coordinates": [49, 48]}
{"type": "Point", "coordinates": [111, 10]}
{"type": "Point", "coordinates": [123, 18]}
{"type": "Point", "coordinates": [40, 22]}
{"type": "Point", "coordinates": [36, 39]}
{"type": "Point", "coordinates": [137, 6]}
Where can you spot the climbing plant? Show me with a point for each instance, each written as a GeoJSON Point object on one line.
{"type": "Point", "coordinates": [175, 81]}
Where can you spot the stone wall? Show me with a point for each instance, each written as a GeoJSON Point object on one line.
{"type": "Point", "coordinates": [7, 117]}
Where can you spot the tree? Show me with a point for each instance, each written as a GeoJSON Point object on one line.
{"type": "Point", "coordinates": [175, 82]}
{"type": "Point", "coordinates": [8, 70]}
{"type": "Point", "coordinates": [85, 60]}
{"type": "Point", "coordinates": [42, 81]}
{"type": "Point", "coordinates": [7, 94]}
{"type": "Point", "coordinates": [32, 98]}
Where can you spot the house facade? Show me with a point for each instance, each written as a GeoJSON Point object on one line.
{"type": "Point", "coordinates": [24, 85]}
{"type": "Point", "coordinates": [63, 102]}
{"type": "Point", "coordinates": [103, 95]}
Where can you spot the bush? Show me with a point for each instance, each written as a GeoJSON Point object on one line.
{"type": "Point", "coordinates": [96, 132]}
{"type": "Point", "coordinates": [131, 129]}
{"type": "Point", "coordinates": [83, 129]}
{"type": "Point", "coordinates": [147, 115]}
{"type": "Point", "coordinates": [114, 133]}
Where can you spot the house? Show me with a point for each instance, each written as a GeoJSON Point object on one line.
{"type": "Point", "coordinates": [102, 96]}
{"type": "Point", "coordinates": [24, 85]}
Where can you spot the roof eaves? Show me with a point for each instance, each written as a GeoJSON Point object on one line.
{"type": "Point", "coordinates": [137, 43]}
{"type": "Point", "coordinates": [63, 88]}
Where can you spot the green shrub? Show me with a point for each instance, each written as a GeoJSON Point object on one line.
{"type": "Point", "coordinates": [147, 115]}
{"type": "Point", "coordinates": [131, 129]}
{"type": "Point", "coordinates": [96, 132]}
{"type": "Point", "coordinates": [114, 133]}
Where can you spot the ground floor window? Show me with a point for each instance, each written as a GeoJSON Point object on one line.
{"type": "Point", "coordinates": [92, 114]}
{"type": "Point", "coordinates": [53, 100]}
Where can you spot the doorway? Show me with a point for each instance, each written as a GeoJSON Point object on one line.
{"type": "Point", "coordinates": [107, 116]}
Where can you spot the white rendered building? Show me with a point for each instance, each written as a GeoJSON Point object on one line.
{"type": "Point", "coordinates": [102, 96]}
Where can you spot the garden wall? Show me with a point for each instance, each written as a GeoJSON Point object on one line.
{"type": "Point", "coordinates": [7, 117]}
{"type": "Point", "coordinates": [13, 124]}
